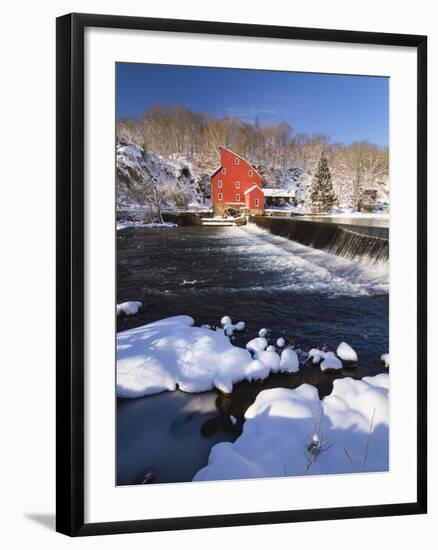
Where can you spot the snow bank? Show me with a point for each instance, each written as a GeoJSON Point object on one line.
{"type": "Point", "coordinates": [128, 224]}
{"type": "Point", "coordinates": [173, 353]}
{"type": "Point", "coordinates": [346, 353]}
{"type": "Point", "coordinates": [291, 432]}
{"type": "Point", "coordinates": [128, 308]}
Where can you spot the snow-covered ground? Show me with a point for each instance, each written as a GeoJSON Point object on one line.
{"type": "Point", "coordinates": [291, 432]}
{"type": "Point", "coordinates": [173, 353]}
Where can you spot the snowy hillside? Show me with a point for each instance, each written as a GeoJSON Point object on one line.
{"type": "Point", "coordinates": [139, 172]}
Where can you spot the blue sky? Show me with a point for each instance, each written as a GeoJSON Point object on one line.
{"type": "Point", "coordinates": [346, 108]}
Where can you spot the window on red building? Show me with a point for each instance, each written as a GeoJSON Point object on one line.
{"type": "Point", "coordinates": [249, 172]}
{"type": "Point", "coordinates": [219, 197]}
{"type": "Point", "coordinates": [219, 183]}
{"type": "Point", "coordinates": [224, 170]}
{"type": "Point", "coordinates": [236, 160]}
{"type": "Point", "coordinates": [237, 197]}
{"type": "Point", "coordinates": [256, 202]}
{"type": "Point", "coordinates": [237, 184]}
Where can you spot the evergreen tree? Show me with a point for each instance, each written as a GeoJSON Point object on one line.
{"type": "Point", "coordinates": [322, 195]}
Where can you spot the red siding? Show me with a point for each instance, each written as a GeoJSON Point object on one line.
{"type": "Point", "coordinates": [255, 195]}
{"type": "Point", "coordinates": [234, 173]}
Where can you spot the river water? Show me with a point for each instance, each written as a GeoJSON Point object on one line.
{"type": "Point", "coordinates": [311, 298]}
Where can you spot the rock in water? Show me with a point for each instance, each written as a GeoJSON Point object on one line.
{"type": "Point", "coordinates": [346, 353]}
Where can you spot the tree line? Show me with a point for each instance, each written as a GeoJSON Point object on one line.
{"type": "Point", "coordinates": [167, 130]}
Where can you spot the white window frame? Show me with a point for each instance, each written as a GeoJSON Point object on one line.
{"type": "Point", "coordinates": [224, 170]}
{"type": "Point", "coordinates": [238, 197]}
{"type": "Point", "coordinates": [237, 184]}
{"type": "Point", "coordinates": [256, 202]}
{"type": "Point", "coordinates": [219, 196]}
{"type": "Point", "coordinates": [236, 161]}
{"type": "Point", "coordinates": [219, 184]}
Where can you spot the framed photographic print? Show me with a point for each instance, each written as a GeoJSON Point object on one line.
{"type": "Point", "coordinates": [241, 274]}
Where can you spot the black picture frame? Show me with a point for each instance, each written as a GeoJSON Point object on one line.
{"type": "Point", "coordinates": [70, 273]}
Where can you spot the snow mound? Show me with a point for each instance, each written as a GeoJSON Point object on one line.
{"type": "Point", "coordinates": [281, 342]}
{"type": "Point", "coordinates": [385, 359]}
{"type": "Point", "coordinates": [128, 308]}
{"type": "Point", "coordinates": [291, 432]}
{"type": "Point", "coordinates": [289, 361]}
{"type": "Point", "coordinates": [173, 353]}
{"type": "Point", "coordinates": [316, 355]}
{"type": "Point", "coordinates": [330, 362]}
{"type": "Point", "coordinates": [346, 353]}
{"type": "Point", "coordinates": [263, 332]}
{"type": "Point", "coordinates": [257, 344]}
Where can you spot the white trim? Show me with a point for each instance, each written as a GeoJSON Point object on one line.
{"type": "Point", "coordinates": [251, 189]}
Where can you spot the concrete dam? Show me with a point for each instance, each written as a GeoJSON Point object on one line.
{"type": "Point", "coordinates": [347, 240]}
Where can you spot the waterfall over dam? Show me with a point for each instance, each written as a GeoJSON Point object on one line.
{"type": "Point", "coordinates": [347, 240]}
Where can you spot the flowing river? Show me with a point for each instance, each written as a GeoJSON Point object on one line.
{"type": "Point", "coordinates": [310, 297]}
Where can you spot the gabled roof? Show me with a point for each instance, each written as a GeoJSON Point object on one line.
{"type": "Point", "coordinates": [238, 156]}
{"type": "Point", "coordinates": [252, 188]}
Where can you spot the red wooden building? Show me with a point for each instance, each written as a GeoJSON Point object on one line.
{"type": "Point", "coordinates": [236, 187]}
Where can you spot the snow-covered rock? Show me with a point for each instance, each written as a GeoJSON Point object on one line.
{"type": "Point", "coordinates": [175, 173]}
{"type": "Point", "coordinates": [257, 344]}
{"type": "Point", "coordinates": [316, 355]}
{"type": "Point", "coordinates": [289, 361]}
{"type": "Point", "coordinates": [263, 332]}
{"type": "Point", "coordinates": [330, 362]}
{"type": "Point", "coordinates": [226, 320]}
{"type": "Point", "coordinates": [128, 308]}
{"type": "Point", "coordinates": [385, 359]}
{"type": "Point", "coordinates": [281, 342]}
{"type": "Point", "coordinates": [346, 353]}
{"type": "Point", "coordinates": [291, 432]}
{"type": "Point", "coordinates": [270, 359]}
{"type": "Point", "coordinates": [173, 353]}
{"type": "Point", "coordinates": [271, 348]}
{"type": "Point", "coordinates": [229, 328]}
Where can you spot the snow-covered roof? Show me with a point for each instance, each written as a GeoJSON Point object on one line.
{"type": "Point", "coordinates": [275, 192]}
{"type": "Point", "coordinates": [251, 189]}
